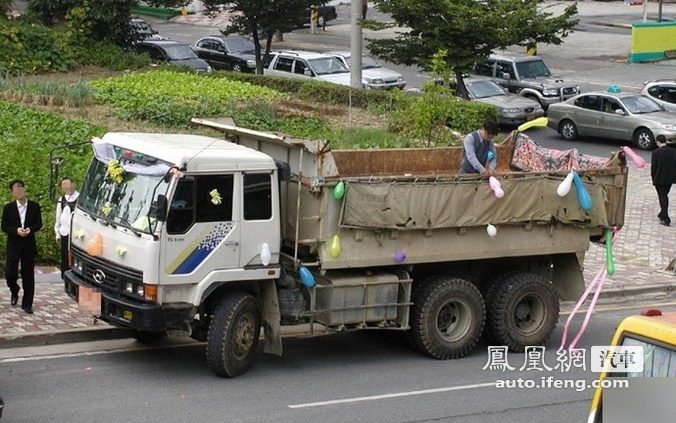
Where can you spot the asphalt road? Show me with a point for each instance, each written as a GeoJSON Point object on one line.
{"type": "Point", "coordinates": [360, 377]}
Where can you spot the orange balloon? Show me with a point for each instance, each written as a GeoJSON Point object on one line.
{"type": "Point", "coordinates": [95, 245]}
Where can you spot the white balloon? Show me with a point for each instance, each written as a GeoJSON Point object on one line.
{"type": "Point", "coordinates": [492, 230]}
{"type": "Point", "coordinates": [564, 186]}
{"type": "Point", "coordinates": [266, 256]}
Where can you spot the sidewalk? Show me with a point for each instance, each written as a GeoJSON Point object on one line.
{"type": "Point", "coordinates": [643, 248]}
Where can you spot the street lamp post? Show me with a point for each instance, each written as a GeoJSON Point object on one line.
{"type": "Point", "coordinates": [355, 44]}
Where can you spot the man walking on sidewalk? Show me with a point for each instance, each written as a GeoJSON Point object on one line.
{"type": "Point", "coordinates": [64, 208]}
{"type": "Point", "coordinates": [663, 173]}
{"type": "Point", "coordinates": [21, 219]}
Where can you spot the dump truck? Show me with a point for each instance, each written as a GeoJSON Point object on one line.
{"type": "Point", "coordinates": [222, 238]}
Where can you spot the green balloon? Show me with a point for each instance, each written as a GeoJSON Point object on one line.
{"type": "Point", "coordinates": [339, 190]}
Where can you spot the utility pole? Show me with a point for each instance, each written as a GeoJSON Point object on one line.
{"type": "Point", "coordinates": [355, 44]}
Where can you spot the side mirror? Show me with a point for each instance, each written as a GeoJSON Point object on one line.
{"type": "Point", "coordinates": [159, 208]}
{"type": "Point", "coordinates": [307, 72]}
{"type": "Point", "coordinates": [506, 75]}
{"type": "Point", "coordinates": [619, 112]}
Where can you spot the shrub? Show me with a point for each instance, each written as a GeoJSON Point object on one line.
{"type": "Point", "coordinates": [27, 138]}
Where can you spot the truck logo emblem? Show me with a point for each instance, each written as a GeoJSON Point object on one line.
{"type": "Point", "coordinates": [99, 276]}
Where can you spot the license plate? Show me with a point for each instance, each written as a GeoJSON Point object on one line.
{"type": "Point", "coordinates": [89, 300]}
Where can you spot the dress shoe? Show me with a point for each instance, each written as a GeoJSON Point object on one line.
{"type": "Point", "coordinates": [15, 299]}
{"type": "Point", "coordinates": [28, 310]}
{"type": "Point", "coordinates": [665, 222]}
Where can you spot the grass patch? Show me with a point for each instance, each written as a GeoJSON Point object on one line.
{"type": "Point", "coordinates": [47, 93]}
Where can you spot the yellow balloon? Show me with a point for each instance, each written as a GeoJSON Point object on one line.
{"type": "Point", "coordinates": [334, 248]}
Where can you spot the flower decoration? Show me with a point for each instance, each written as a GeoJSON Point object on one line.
{"type": "Point", "coordinates": [106, 208]}
{"type": "Point", "coordinates": [79, 234]}
{"type": "Point", "coordinates": [114, 171]}
{"type": "Point", "coordinates": [121, 251]}
{"type": "Point", "coordinates": [215, 197]}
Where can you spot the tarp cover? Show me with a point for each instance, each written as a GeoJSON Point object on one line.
{"type": "Point", "coordinates": [427, 205]}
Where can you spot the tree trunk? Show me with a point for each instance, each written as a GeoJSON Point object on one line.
{"type": "Point", "coordinates": [460, 88]}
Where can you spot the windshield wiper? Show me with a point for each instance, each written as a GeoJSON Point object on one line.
{"type": "Point", "coordinates": [132, 229]}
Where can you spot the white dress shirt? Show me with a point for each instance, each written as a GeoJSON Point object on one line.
{"type": "Point", "coordinates": [62, 224]}
{"type": "Point", "coordinates": [22, 212]}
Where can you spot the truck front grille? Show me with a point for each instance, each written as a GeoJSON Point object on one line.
{"type": "Point", "coordinates": [96, 271]}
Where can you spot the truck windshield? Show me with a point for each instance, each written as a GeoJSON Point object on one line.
{"type": "Point", "coordinates": [125, 202]}
{"type": "Point", "coordinates": [533, 69]}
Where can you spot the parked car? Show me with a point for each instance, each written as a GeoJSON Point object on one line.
{"type": "Point", "coordinates": [230, 53]}
{"type": "Point", "coordinates": [663, 91]}
{"type": "Point", "coordinates": [655, 333]}
{"type": "Point", "coordinates": [141, 30]}
{"type": "Point", "coordinates": [173, 52]}
{"type": "Point", "coordinates": [512, 109]}
{"type": "Point", "coordinates": [2, 405]}
{"type": "Point", "coordinates": [615, 115]}
{"type": "Point", "coordinates": [373, 75]}
{"type": "Point", "coordinates": [307, 65]}
{"type": "Point", "coordinates": [527, 76]}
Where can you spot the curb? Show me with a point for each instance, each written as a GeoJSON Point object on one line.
{"type": "Point", "coordinates": [36, 339]}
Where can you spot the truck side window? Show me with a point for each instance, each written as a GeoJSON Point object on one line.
{"type": "Point", "coordinates": [182, 209]}
{"type": "Point", "coordinates": [257, 196]}
{"type": "Point", "coordinates": [284, 64]}
{"type": "Point", "coordinates": [209, 209]}
{"type": "Point", "coordinates": [485, 68]}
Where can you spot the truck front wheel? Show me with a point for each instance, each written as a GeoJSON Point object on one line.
{"type": "Point", "coordinates": [522, 311]}
{"type": "Point", "coordinates": [233, 335]}
{"type": "Point", "coordinates": [447, 318]}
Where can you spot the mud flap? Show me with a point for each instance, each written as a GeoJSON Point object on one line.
{"type": "Point", "coordinates": [271, 318]}
{"type": "Point", "coordinates": [567, 276]}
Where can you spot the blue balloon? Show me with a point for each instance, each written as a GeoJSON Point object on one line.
{"type": "Point", "coordinates": [306, 277]}
{"type": "Point", "coordinates": [583, 196]}
{"type": "Point", "coordinates": [491, 156]}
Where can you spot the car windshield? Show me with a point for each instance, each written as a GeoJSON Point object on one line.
{"type": "Point", "coordinates": [125, 202]}
{"type": "Point", "coordinates": [639, 104]}
{"type": "Point", "coordinates": [179, 52]}
{"type": "Point", "coordinates": [533, 69]}
{"type": "Point", "coordinates": [239, 45]}
{"type": "Point", "coordinates": [327, 65]}
{"type": "Point", "coordinates": [484, 89]}
{"type": "Point", "coordinates": [142, 28]}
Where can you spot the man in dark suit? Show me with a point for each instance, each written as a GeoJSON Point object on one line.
{"type": "Point", "coordinates": [21, 219]}
{"type": "Point", "coordinates": [663, 173]}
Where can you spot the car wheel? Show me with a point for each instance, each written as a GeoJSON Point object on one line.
{"type": "Point", "coordinates": [568, 130]}
{"type": "Point", "coordinates": [237, 67]}
{"type": "Point", "coordinates": [321, 21]}
{"type": "Point", "coordinates": [644, 139]}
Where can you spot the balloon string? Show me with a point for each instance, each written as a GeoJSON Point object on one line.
{"type": "Point", "coordinates": [596, 283]}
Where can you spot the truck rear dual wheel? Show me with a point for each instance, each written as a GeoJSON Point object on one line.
{"type": "Point", "coordinates": [233, 335]}
{"type": "Point", "coordinates": [447, 317]}
{"type": "Point", "coordinates": [523, 310]}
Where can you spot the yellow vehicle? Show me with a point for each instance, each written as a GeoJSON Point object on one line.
{"type": "Point", "coordinates": [656, 333]}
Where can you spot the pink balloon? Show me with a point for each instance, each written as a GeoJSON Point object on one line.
{"type": "Point", "coordinates": [638, 160]}
{"type": "Point", "coordinates": [496, 187]}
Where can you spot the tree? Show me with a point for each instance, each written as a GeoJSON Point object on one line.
{"type": "Point", "coordinates": [260, 19]}
{"type": "Point", "coordinates": [469, 30]}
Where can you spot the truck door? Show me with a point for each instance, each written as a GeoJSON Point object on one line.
{"type": "Point", "coordinates": [260, 217]}
{"type": "Point", "coordinates": [202, 229]}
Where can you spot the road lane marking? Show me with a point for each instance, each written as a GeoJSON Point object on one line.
{"type": "Point", "coordinates": [92, 353]}
{"type": "Point", "coordinates": [392, 395]}
{"type": "Point", "coordinates": [617, 308]}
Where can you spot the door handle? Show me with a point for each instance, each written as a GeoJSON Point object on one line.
{"type": "Point", "coordinates": [231, 243]}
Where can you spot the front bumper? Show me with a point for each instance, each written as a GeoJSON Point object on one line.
{"type": "Point", "coordinates": [518, 118]}
{"type": "Point", "coordinates": [120, 311]}
{"type": "Point", "coordinates": [386, 86]}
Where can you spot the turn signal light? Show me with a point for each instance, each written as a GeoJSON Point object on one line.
{"type": "Point", "coordinates": [651, 312]}
{"type": "Point", "coordinates": [150, 292]}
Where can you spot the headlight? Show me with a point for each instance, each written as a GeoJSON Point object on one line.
{"type": "Point", "coordinates": [401, 79]}
{"type": "Point", "coordinates": [377, 81]}
{"type": "Point", "coordinates": [129, 287]}
{"type": "Point", "coordinates": [669, 127]}
{"type": "Point", "coordinates": [139, 290]}
{"type": "Point", "coordinates": [209, 69]}
{"type": "Point", "coordinates": [577, 89]}
{"type": "Point", "coordinates": [550, 91]}
{"type": "Point", "coordinates": [251, 63]}
{"type": "Point", "coordinates": [512, 110]}
{"type": "Point", "coordinates": [77, 266]}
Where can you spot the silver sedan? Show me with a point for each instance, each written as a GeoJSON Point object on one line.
{"type": "Point", "coordinates": [663, 92]}
{"type": "Point", "coordinates": [615, 115]}
{"type": "Point", "coordinates": [512, 109]}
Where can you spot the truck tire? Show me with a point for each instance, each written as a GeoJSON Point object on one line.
{"type": "Point", "coordinates": [148, 337]}
{"type": "Point", "coordinates": [523, 310]}
{"type": "Point", "coordinates": [487, 290]}
{"type": "Point", "coordinates": [447, 318]}
{"type": "Point", "coordinates": [233, 335]}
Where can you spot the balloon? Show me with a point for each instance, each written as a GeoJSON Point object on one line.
{"type": "Point", "coordinates": [638, 160]}
{"type": "Point", "coordinates": [339, 190]}
{"type": "Point", "coordinates": [541, 121]}
{"type": "Point", "coordinates": [496, 187]}
{"type": "Point", "coordinates": [399, 256]}
{"type": "Point", "coordinates": [95, 245]}
{"type": "Point", "coordinates": [610, 262]}
{"type": "Point", "coordinates": [306, 277]}
{"type": "Point", "coordinates": [490, 156]}
{"type": "Point", "coordinates": [583, 196]}
{"type": "Point", "coordinates": [266, 255]}
{"type": "Point", "coordinates": [334, 248]}
{"type": "Point", "coordinates": [564, 186]}
{"type": "Point", "coordinates": [492, 230]}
